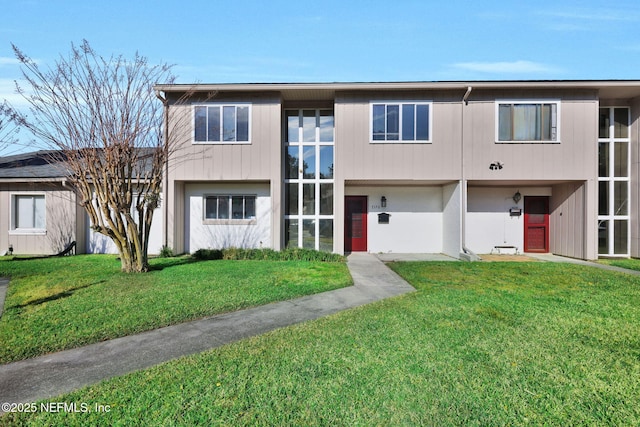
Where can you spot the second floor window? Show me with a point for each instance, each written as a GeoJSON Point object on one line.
{"type": "Point", "coordinates": [528, 121]}
{"type": "Point", "coordinates": [221, 123]}
{"type": "Point", "coordinates": [401, 122]}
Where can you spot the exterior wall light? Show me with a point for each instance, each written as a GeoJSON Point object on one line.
{"type": "Point", "coordinates": [383, 202]}
{"type": "Point", "coordinates": [517, 197]}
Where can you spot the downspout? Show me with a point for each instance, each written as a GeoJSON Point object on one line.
{"type": "Point", "coordinates": [463, 226]}
{"type": "Point", "coordinates": [165, 185]}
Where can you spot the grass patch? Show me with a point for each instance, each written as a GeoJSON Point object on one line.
{"type": "Point", "coordinates": [59, 303]}
{"type": "Point", "coordinates": [478, 344]}
{"type": "Point", "coordinates": [630, 263]}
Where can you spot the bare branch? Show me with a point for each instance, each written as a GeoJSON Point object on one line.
{"type": "Point", "coordinates": [102, 115]}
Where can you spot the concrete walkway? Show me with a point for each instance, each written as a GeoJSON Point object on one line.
{"type": "Point", "coordinates": [53, 374]}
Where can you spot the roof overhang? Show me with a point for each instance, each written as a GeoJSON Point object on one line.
{"type": "Point", "coordinates": [607, 89]}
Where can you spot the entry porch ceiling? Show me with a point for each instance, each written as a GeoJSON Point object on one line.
{"type": "Point", "coordinates": [519, 183]}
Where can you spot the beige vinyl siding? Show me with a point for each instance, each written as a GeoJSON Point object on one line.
{"type": "Point", "coordinates": [229, 161]}
{"type": "Point", "coordinates": [573, 220]}
{"type": "Point", "coordinates": [260, 160]}
{"type": "Point", "coordinates": [358, 159]}
{"type": "Point", "coordinates": [634, 202]}
{"type": "Point", "coordinates": [573, 157]}
{"type": "Point", "coordinates": [60, 219]}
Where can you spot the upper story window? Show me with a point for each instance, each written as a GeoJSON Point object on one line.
{"type": "Point", "coordinates": [222, 123]}
{"type": "Point", "coordinates": [28, 213]}
{"type": "Point", "coordinates": [528, 121]}
{"type": "Point", "coordinates": [401, 122]}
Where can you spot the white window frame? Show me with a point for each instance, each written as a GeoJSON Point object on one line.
{"type": "Point", "coordinates": [386, 103]}
{"type": "Point", "coordinates": [13, 213]}
{"type": "Point", "coordinates": [230, 220]}
{"type": "Point", "coordinates": [556, 102]}
{"type": "Point", "coordinates": [610, 217]}
{"type": "Point", "coordinates": [221, 105]}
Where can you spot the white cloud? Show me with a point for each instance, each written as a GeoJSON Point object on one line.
{"type": "Point", "coordinates": [513, 67]}
{"type": "Point", "coordinates": [610, 15]}
{"type": "Point", "coordinates": [7, 60]}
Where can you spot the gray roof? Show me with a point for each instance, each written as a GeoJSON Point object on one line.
{"type": "Point", "coordinates": [47, 165]}
{"type": "Point", "coordinates": [34, 165]}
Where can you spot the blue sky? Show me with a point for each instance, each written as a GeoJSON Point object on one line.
{"type": "Point", "coordinates": [327, 41]}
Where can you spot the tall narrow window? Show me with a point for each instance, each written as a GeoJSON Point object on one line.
{"type": "Point", "coordinates": [308, 178]}
{"type": "Point", "coordinates": [613, 181]}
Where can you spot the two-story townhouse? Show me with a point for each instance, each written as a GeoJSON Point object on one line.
{"type": "Point", "coordinates": [451, 167]}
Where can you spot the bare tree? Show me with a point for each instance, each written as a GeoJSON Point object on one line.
{"type": "Point", "coordinates": [103, 118]}
{"type": "Point", "coordinates": [8, 127]}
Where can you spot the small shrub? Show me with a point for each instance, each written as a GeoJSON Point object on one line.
{"type": "Point", "coordinates": [166, 252]}
{"type": "Point", "coordinates": [207, 254]}
{"type": "Point", "coordinates": [290, 254]}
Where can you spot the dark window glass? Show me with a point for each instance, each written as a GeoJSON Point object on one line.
{"type": "Point", "coordinates": [309, 125]}
{"type": "Point", "coordinates": [408, 122]}
{"type": "Point", "coordinates": [326, 162]}
{"type": "Point", "coordinates": [293, 124]}
{"type": "Point", "coordinates": [603, 198]}
{"type": "Point", "coordinates": [621, 159]}
{"type": "Point", "coordinates": [223, 207]}
{"type": "Point", "coordinates": [308, 199]}
{"type": "Point", "coordinates": [620, 236]}
{"type": "Point", "coordinates": [213, 124]}
{"type": "Point", "coordinates": [620, 198]}
{"type": "Point", "coordinates": [243, 124]}
{"type": "Point", "coordinates": [291, 171]}
{"type": "Point", "coordinates": [326, 199]}
{"type": "Point", "coordinates": [326, 235]}
{"type": "Point", "coordinates": [393, 122]}
{"type": "Point", "coordinates": [237, 207]}
{"type": "Point", "coordinates": [621, 122]}
{"type": "Point", "coordinates": [211, 208]}
{"type": "Point", "coordinates": [603, 159]}
{"type": "Point", "coordinates": [291, 203]}
{"type": "Point", "coordinates": [229, 123]}
{"type": "Point", "coordinates": [603, 123]}
{"type": "Point", "coordinates": [379, 129]}
{"type": "Point", "coordinates": [603, 237]}
{"type": "Point", "coordinates": [200, 123]}
{"type": "Point", "coordinates": [249, 207]}
{"type": "Point", "coordinates": [326, 126]}
{"type": "Point", "coordinates": [291, 230]}
{"type": "Point", "coordinates": [422, 122]}
{"type": "Point", "coordinates": [309, 162]}
{"type": "Point", "coordinates": [309, 233]}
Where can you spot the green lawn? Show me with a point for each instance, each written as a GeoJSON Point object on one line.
{"type": "Point", "coordinates": [478, 344]}
{"type": "Point", "coordinates": [59, 303]}
{"type": "Point", "coordinates": [630, 263]}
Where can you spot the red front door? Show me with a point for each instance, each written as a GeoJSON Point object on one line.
{"type": "Point", "coordinates": [536, 224]}
{"type": "Point", "coordinates": [355, 227]}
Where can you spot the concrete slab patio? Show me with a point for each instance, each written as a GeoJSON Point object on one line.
{"type": "Point", "coordinates": [53, 374]}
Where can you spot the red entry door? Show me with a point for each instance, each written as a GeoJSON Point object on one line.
{"type": "Point", "coordinates": [536, 224]}
{"type": "Point", "coordinates": [355, 227]}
